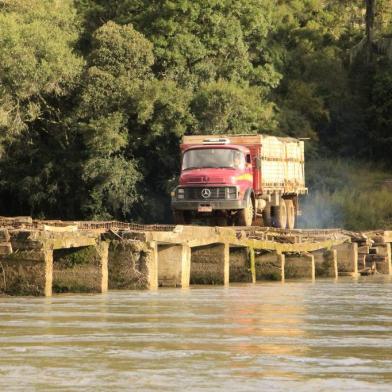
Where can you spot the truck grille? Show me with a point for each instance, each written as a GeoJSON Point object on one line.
{"type": "Point", "coordinates": [196, 193]}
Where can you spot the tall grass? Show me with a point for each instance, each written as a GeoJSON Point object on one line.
{"type": "Point", "coordinates": [352, 195]}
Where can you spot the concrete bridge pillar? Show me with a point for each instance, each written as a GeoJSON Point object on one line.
{"type": "Point", "coordinates": [326, 263]}
{"type": "Point", "coordinates": [48, 261]}
{"type": "Point", "coordinates": [386, 251]}
{"type": "Point", "coordinates": [269, 266]}
{"type": "Point", "coordinates": [210, 264]}
{"type": "Point", "coordinates": [27, 272]}
{"type": "Point", "coordinates": [347, 258]}
{"type": "Point", "coordinates": [241, 261]}
{"type": "Point", "coordinates": [152, 266]}
{"type": "Point", "coordinates": [40, 270]}
{"type": "Point", "coordinates": [174, 265]}
{"type": "Point", "coordinates": [381, 257]}
{"type": "Point", "coordinates": [103, 254]}
{"type": "Point", "coordinates": [133, 264]}
{"type": "Point", "coordinates": [252, 261]}
{"type": "Point", "coordinates": [298, 266]}
{"type": "Point", "coordinates": [282, 261]}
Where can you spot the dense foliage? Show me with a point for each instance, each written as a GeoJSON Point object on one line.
{"type": "Point", "coordinates": [95, 96]}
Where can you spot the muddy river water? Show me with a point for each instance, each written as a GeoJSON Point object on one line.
{"type": "Point", "coordinates": [323, 336]}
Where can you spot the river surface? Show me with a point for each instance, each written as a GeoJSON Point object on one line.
{"type": "Point", "coordinates": [303, 336]}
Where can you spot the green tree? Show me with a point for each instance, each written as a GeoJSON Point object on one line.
{"type": "Point", "coordinates": [39, 73]}
{"type": "Point", "coordinates": [226, 107]}
{"type": "Point", "coordinates": [37, 60]}
{"type": "Point", "coordinates": [196, 42]}
{"type": "Point", "coordinates": [119, 62]}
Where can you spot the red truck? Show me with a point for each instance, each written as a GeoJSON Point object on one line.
{"type": "Point", "coordinates": [239, 179]}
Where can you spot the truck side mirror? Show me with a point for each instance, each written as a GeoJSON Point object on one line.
{"type": "Point", "coordinates": [258, 163]}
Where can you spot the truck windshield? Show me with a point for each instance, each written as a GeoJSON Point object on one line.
{"type": "Point", "coordinates": [213, 158]}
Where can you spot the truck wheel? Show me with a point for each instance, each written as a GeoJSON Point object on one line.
{"type": "Point", "coordinates": [290, 214]}
{"type": "Point", "coordinates": [267, 218]}
{"type": "Point", "coordinates": [279, 217]}
{"type": "Point", "coordinates": [245, 216]}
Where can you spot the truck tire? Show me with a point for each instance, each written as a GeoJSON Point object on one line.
{"type": "Point", "coordinates": [279, 216]}
{"type": "Point", "coordinates": [245, 216]}
{"type": "Point", "coordinates": [267, 218]}
{"type": "Point", "coordinates": [290, 214]}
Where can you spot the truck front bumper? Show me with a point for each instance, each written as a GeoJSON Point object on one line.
{"type": "Point", "coordinates": [197, 205]}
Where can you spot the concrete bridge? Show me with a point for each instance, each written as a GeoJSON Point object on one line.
{"type": "Point", "coordinates": [45, 257]}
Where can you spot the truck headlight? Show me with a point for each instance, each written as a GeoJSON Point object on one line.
{"type": "Point", "coordinates": [231, 193]}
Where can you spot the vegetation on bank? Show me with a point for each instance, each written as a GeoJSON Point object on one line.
{"type": "Point", "coordinates": [355, 195]}
{"type": "Point", "coordinates": [96, 95]}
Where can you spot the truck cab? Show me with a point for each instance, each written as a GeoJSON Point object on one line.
{"type": "Point", "coordinates": [216, 181]}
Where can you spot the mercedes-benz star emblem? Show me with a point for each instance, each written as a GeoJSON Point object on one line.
{"type": "Point", "coordinates": [206, 193]}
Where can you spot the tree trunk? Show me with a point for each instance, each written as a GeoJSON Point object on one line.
{"type": "Point", "coordinates": [370, 22]}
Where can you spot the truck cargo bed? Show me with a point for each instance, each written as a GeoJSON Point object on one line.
{"type": "Point", "coordinates": [279, 161]}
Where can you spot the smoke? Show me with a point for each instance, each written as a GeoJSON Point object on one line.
{"type": "Point", "coordinates": [346, 194]}
{"type": "Point", "coordinates": [319, 211]}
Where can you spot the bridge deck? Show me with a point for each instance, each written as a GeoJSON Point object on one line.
{"type": "Point", "coordinates": [47, 254]}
